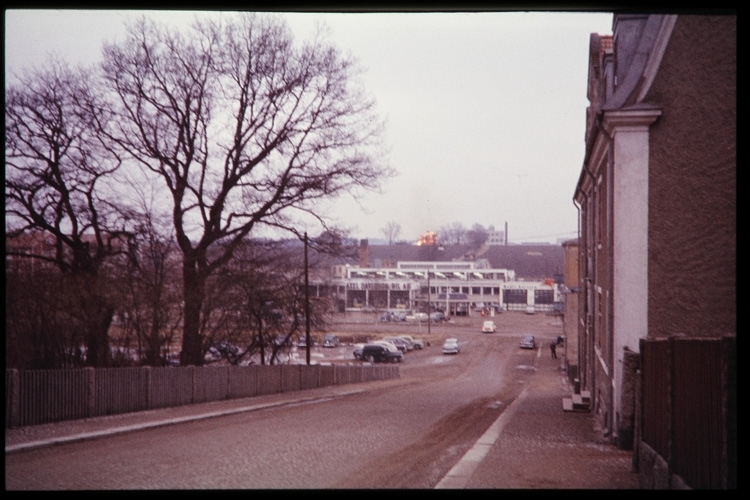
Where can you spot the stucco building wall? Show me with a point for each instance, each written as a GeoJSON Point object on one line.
{"type": "Point", "coordinates": [656, 197]}
{"type": "Point", "coordinates": [692, 182]}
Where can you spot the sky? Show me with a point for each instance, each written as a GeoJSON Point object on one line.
{"type": "Point", "coordinates": [485, 111]}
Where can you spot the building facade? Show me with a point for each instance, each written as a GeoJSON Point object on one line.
{"type": "Point", "coordinates": [456, 288]}
{"type": "Point", "coordinates": [569, 297]}
{"type": "Point", "coordinates": [656, 198]}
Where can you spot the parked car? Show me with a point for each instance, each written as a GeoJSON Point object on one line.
{"type": "Point", "coordinates": [282, 340]}
{"type": "Point", "coordinates": [437, 317]}
{"type": "Point", "coordinates": [398, 316]}
{"type": "Point", "coordinates": [401, 344]}
{"type": "Point", "coordinates": [380, 353]}
{"type": "Point", "coordinates": [530, 310]}
{"type": "Point", "coordinates": [528, 342]}
{"type": "Point", "coordinates": [330, 340]}
{"type": "Point", "coordinates": [450, 346]}
{"type": "Point", "coordinates": [417, 343]}
{"type": "Point", "coordinates": [223, 349]}
{"type": "Point", "coordinates": [419, 316]}
{"type": "Point", "coordinates": [301, 341]}
{"type": "Point", "coordinates": [357, 352]}
{"type": "Point", "coordinates": [489, 327]}
{"type": "Point", "coordinates": [386, 343]}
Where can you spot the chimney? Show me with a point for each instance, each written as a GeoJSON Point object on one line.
{"type": "Point", "coordinates": [364, 257]}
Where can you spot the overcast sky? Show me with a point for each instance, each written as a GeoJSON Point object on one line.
{"type": "Point", "coordinates": [485, 112]}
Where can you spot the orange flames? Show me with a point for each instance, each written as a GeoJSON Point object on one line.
{"type": "Point", "coordinates": [428, 238]}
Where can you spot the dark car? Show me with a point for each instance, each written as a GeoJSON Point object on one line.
{"type": "Point", "coordinates": [379, 353]}
{"type": "Point", "coordinates": [528, 342]}
{"type": "Point", "coordinates": [330, 341]}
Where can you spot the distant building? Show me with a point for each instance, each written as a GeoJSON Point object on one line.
{"type": "Point", "coordinates": [453, 287]}
{"type": "Point", "coordinates": [495, 238]}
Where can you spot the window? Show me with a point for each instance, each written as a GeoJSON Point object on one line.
{"type": "Point", "coordinates": [544, 296]}
{"type": "Point", "coordinates": [514, 296]}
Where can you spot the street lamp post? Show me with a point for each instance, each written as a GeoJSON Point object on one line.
{"type": "Point", "coordinates": [307, 306]}
{"type": "Point", "coordinates": [429, 319]}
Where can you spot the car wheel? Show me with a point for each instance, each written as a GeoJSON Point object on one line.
{"type": "Point", "coordinates": [370, 359]}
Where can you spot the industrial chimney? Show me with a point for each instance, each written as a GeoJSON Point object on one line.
{"type": "Point", "coordinates": [364, 257]}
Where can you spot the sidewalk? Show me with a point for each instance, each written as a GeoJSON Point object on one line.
{"type": "Point", "coordinates": [534, 444]}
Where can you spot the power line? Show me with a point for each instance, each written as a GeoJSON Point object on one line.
{"type": "Point", "coordinates": [569, 233]}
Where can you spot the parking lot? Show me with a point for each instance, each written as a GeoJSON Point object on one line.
{"type": "Point", "coordinates": [355, 327]}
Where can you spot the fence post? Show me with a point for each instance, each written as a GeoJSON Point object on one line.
{"type": "Point", "coordinates": [90, 391]}
{"type": "Point", "coordinates": [635, 464]}
{"type": "Point", "coordinates": [729, 386]}
{"type": "Point", "coordinates": [13, 399]}
{"type": "Point", "coordinates": [194, 377]}
{"type": "Point", "coordinates": [149, 389]}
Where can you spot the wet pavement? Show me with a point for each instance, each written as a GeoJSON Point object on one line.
{"type": "Point", "coordinates": [534, 444]}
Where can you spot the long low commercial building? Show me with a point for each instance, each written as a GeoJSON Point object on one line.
{"type": "Point", "coordinates": [454, 287]}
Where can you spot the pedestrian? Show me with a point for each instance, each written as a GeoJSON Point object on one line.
{"type": "Point", "coordinates": [553, 347]}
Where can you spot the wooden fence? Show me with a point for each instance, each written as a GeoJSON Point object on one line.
{"type": "Point", "coordinates": [35, 397]}
{"type": "Point", "coordinates": [688, 413]}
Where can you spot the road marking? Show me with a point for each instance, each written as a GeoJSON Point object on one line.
{"type": "Point", "coordinates": [459, 475]}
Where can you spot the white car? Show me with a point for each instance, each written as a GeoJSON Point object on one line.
{"type": "Point", "coordinates": [450, 346]}
{"type": "Point", "coordinates": [417, 343]}
{"type": "Point", "coordinates": [489, 327]}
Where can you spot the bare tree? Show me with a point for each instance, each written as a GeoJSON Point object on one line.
{"type": "Point", "coordinates": [391, 231]}
{"type": "Point", "coordinates": [38, 333]}
{"type": "Point", "coordinates": [477, 235]}
{"type": "Point", "coordinates": [57, 169]}
{"type": "Point", "coordinates": [264, 284]}
{"type": "Point", "coordinates": [454, 234]}
{"type": "Point", "coordinates": [244, 129]}
{"type": "Point", "coordinates": [150, 293]}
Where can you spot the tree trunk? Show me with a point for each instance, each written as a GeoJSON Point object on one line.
{"type": "Point", "coordinates": [97, 334]}
{"type": "Point", "coordinates": [194, 284]}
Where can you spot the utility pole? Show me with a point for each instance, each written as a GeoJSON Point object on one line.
{"type": "Point", "coordinates": [429, 311]}
{"type": "Point", "coordinates": [307, 305]}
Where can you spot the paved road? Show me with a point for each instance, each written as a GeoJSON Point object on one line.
{"type": "Point", "coordinates": [416, 432]}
